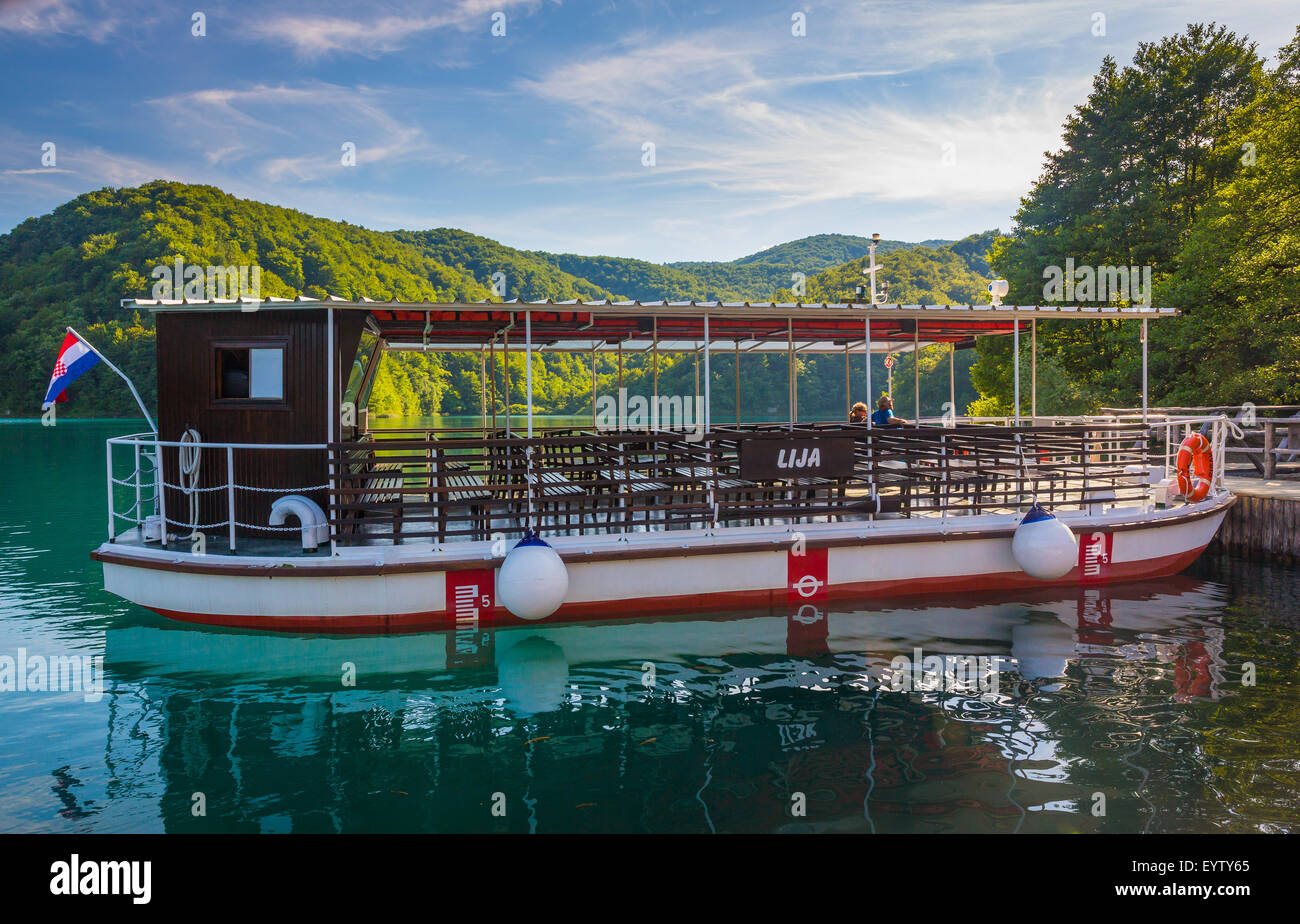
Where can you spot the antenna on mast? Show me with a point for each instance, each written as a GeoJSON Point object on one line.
{"type": "Point", "coordinates": [870, 270]}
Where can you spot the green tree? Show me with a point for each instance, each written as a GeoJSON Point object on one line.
{"type": "Point", "coordinates": [1141, 158]}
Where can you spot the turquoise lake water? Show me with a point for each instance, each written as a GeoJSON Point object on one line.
{"type": "Point", "coordinates": [1166, 706]}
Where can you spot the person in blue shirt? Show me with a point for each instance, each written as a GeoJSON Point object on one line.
{"type": "Point", "coordinates": [884, 416]}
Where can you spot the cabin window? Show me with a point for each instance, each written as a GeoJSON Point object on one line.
{"type": "Point", "coordinates": [250, 373]}
{"type": "Point", "coordinates": [356, 395]}
{"type": "Point", "coordinates": [359, 377]}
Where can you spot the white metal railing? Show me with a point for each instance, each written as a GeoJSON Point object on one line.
{"type": "Point", "coordinates": [148, 479]}
{"type": "Point", "coordinates": [150, 491]}
{"type": "Point", "coordinates": [1177, 428]}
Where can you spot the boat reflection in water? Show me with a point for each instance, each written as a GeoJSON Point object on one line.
{"type": "Point", "coordinates": [780, 721]}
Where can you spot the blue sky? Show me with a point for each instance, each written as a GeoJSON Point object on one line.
{"type": "Point", "coordinates": [536, 138]}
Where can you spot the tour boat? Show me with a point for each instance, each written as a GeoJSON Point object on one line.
{"type": "Point", "coordinates": [263, 499]}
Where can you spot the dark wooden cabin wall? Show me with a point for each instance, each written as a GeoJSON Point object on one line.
{"type": "Point", "coordinates": [186, 398]}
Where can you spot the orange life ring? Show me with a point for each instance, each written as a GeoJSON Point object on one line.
{"type": "Point", "coordinates": [1194, 466]}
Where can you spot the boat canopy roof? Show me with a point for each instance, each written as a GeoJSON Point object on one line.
{"type": "Point", "coordinates": [579, 326]}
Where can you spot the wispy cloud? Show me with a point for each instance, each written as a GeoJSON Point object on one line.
{"type": "Point", "coordinates": [728, 116]}
{"type": "Point", "coordinates": [92, 19]}
{"type": "Point", "coordinates": [760, 135]}
{"type": "Point", "coordinates": [319, 33]}
{"type": "Point", "coordinates": [297, 132]}
{"type": "Point", "coordinates": [78, 168]}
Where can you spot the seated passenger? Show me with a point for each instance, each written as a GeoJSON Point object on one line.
{"type": "Point", "coordinates": [858, 413]}
{"type": "Point", "coordinates": [884, 417]}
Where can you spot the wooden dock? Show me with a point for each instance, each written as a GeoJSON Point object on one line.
{"type": "Point", "coordinates": [1265, 521]}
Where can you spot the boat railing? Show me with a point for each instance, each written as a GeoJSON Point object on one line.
{"type": "Point", "coordinates": [473, 488]}
{"type": "Point", "coordinates": [190, 477]}
{"type": "Point", "coordinates": [1265, 435]}
{"type": "Point", "coordinates": [1170, 430]}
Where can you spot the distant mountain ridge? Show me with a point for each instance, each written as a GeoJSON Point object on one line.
{"type": "Point", "coordinates": [755, 276]}
{"type": "Point", "coordinates": [821, 251]}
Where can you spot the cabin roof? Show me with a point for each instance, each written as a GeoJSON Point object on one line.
{"type": "Point", "coordinates": [582, 326]}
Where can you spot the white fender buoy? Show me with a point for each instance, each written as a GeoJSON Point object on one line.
{"type": "Point", "coordinates": [1043, 546]}
{"type": "Point", "coordinates": [1042, 649]}
{"type": "Point", "coordinates": [533, 581]}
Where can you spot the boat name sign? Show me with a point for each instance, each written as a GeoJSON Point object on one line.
{"type": "Point", "coordinates": [776, 460]}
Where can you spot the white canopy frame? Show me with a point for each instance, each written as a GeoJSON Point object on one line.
{"type": "Point", "coordinates": [757, 311]}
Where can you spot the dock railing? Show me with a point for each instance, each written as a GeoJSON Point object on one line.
{"type": "Point", "coordinates": [1264, 436]}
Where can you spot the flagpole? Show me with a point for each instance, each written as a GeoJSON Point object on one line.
{"type": "Point", "coordinates": [129, 384]}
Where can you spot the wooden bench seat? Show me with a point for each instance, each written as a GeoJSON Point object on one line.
{"type": "Point", "coordinates": [466, 490]}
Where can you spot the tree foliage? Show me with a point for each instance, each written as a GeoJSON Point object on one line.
{"type": "Point", "coordinates": [1185, 162]}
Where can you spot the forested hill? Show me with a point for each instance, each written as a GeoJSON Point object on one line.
{"type": "Point", "coordinates": [821, 251]}
{"type": "Point", "coordinates": [953, 273]}
{"type": "Point", "coordinates": [72, 267]}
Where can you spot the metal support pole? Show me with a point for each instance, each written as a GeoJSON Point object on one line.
{"type": "Point", "coordinates": [505, 352]}
{"type": "Point", "coordinates": [708, 409]}
{"type": "Point", "coordinates": [593, 388]}
{"type": "Point", "coordinates": [108, 467]}
{"type": "Point", "coordinates": [1144, 370]}
{"type": "Point", "coordinates": [1033, 369]}
{"type": "Point", "coordinates": [161, 481]}
{"type": "Point", "coordinates": [952, 381]}
{"type": "Point", "coordinates": [738, 382]}
{"type": "Point", "coordinates": [655, 333]}
{"type": "Point", "coordinates": [482, 386]}
{"type": "Point", "coordinates": [1016, 350]}
{"type": "Point", "coordinates": [790, 374]}
{"type": "Point", "coordinates": [139, 510]}
{"type": "Point", "coordinates": [916, 369]}
{"type": "Point", "coordinates": [848, 390]}
{"type": "Point", "coordinates": [230, 492]}
{"type": "Point", "coordinates": [871, 397]}
{"type": "Point", "coordinates": [331, 411]}
{"type": "Point", "coordinates": [528, 366]}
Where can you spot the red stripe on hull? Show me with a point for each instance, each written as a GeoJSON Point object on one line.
{"type": "Point", "coordinates": [774, 598]}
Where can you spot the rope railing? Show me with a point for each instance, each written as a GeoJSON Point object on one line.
{"type": "Point", "coordinates": [149, 486]}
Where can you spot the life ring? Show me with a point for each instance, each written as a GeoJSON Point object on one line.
{"type": "Point", "coordinates": [1194, 467]}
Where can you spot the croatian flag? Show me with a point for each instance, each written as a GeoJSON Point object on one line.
{"type": "Point", "coordinates": [75, 357]}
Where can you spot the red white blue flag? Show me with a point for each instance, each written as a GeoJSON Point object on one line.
{"type": "Point", "coordinates": [75, 357]}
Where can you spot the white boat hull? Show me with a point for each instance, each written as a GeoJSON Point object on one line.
{"type": "Point", "coordinates": [407, 588]}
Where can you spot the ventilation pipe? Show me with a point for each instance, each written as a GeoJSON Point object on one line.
{"type": "Point", "coordinates": [315, 528]}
